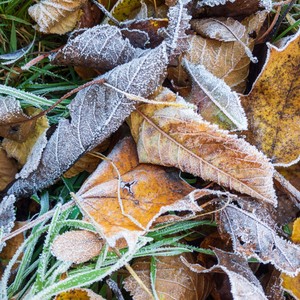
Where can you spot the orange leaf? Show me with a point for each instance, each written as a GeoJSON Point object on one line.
{"type": "Point", "coordinates": [8, 170]}
{"type": "Point", "coordinates": [79, 294]}
{"type": "Point", "coordinates": [273, 105]}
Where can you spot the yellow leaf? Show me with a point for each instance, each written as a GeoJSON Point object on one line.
{"type": "Point", "coordinates": [21, 150]}
{"type": "Point", "coordinates": [79, 294]}
{"type": "Point", "coordinates": [273, 105]}
{"type": "Point", "coordinates": [292, 284]}
{"type": "Point", "coordinates": [181, 138]}
{"type": "Point", "coordinates": [8, 169]}
{"type": "Point", "coordinates": [56, 16]}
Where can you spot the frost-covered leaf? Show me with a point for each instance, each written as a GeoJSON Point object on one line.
{"type": "Point", "coordinates": [222, 29]}
{"type": "Point", "coordinates": [11, 113]}
{"type": "Point", "coordinates": [218, 94]}
{"type": "Point", "coordinates": [8, 169]}
{"type": "Point", "coordinates": [174, 280]}
{"type": "Point", "coordinates": [212, 2]}
{"type": "Point", "coordinates": [253, 234]}
{"type": "Point", "coordinates": [226, 60]}
{"type": "Point", "coordinates": [96, 112]}
{"type": "Point", "coordinates": [56, 16]}
{"type": "Point", "coordinates": [273, 105]}
{"type": "Point", "coordinates": [7, 216]}
{"type": "Point", "coordinates": [244, 284]}
{"type": "Point", "coordinates": [101, 47]}
{"type": "Point", "coordinates": [175, 36]}
{"type": "Point", "coordinates": [22, 150]}
{"type": "Point", "coordinates": [79, 294]}
{"type": "Point", "coordinates": [76, 246]}
{"type": "Point", "coordinates": [180, 138]}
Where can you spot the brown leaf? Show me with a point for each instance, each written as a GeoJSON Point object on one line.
{"type": "Point", "coordinates": [273, 105]}
{"type": "Point", "coordinates": [292, 174]}
{"type": "Point", "coordinates": [226, 60]}
{"type": "Point", "coordinates": [12, 113]}
{"type": "Point", "coordinates": [173, 280]}
{"type": "Point", "coordinates": [8, 169]}
{"type": "Point", "coordinates": [56, 16]}
{"type": "Point", "coordinates": [79, 294]}
{"type": "Point", "coordinates": [253, 234]}
{"type": "Point", "coordinates": [76, 246]}
{"type": "Point", "coordinates": [244, 285]}
{"type": "Point", "coordinates": [21, 150]}
{"type": "Point", "coordinates": [180, 138]}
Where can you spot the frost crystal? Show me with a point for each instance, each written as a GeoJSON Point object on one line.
{"type": "Point", "coordinates": [212, 2]}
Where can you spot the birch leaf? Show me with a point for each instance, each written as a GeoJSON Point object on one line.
{"type": "Point", "coordinates": [56, 16]}
{"type": "Point", "coordinates": [8, 169]}
{"type": "Point", "coordinates": [217, 92]}
{"type": "Point", "coordinates": [244, 284]}
{"type": "Point", "coordinates": [224, 30]}
{"type": "Point", "coordinates": [106, 110]}
{"type": "Point", "coordinates": [173, 280]}
{"type": "Point", "coordinates": [226, 60]}
{"type": "Point", "coordinates": [21, 150]}
{"type": "Point", "coordinates": [101, 47]}
{"type": "Point", "coordinates": [11, 113]}
{"type": "Point", "coordinates": [253, 235]}
{"type": "Point", "coordinates": [180, 138]}
{"type": "Point", "coordinates": [273, 105]}
{"type": "Point", "coordinates": [76, 246]}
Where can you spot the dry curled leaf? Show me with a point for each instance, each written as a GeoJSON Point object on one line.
{"type": "Point", "coordinates": [217, 97]}
{"type": "Point", "coordinates": [180, 138]}
{"type": "Point", "coordinates": [226, 60]}
{"type": "Point", "coordinates": [11, 113]}
{"type": "Point", "coordinates": [253, 234]}
{"type": "Point", "coordinates": [21, 150]}
{"type": "Point", "coordinates": [273, 105]}
{"type": "Point", "coordinates": [8, 169]}
{"type": "Point", "coordinates": [244, 284]}
{"type": "Point", "coordinates": [76, 246]}
{"type": "Point", "coordinates": [101, 47]}
{"type": "Point", "coordinates": [79, 294]}
{"type": "Point", "coordinates": [173, 280]}
{"type": "Point", "coordinates": [107, 110]}
{"type": "Point", "coordinates": [56, 16]}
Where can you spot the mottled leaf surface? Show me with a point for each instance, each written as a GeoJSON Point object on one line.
{"type": "Point", "coordinates": [181, 138]}
{"type": "Point", "coordinates": [218, 94]}
{"type": "Point", "coordinates": [101, 47]}
{"type": "Point", "coordinates": [254, 235]}
{"type": "Point", "coordinates": [106, 110]}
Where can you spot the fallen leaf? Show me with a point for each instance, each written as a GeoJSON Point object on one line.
{"type": "Point", "coordinates": [273, 105]}
{"type": "Point", "coordinates": [222, 29]}
{"type": "Point", "coordinates": [21, 150]}
{"type": "Point", "coordinates": [76, 246]}
{"type": "Point", "coordinates": [217, 96]}
{"type": "Point", "coordinates": [226, 60]}
{"type": "Point", "coordinates": [292, 174]}
{"type": "Point", "coordinates": [180, 138]}
{"type": "Point", "coordinates": [292, 284]}
{"type": "Point", "coordinates": [101, 47]}
{"type": "Point", "coordinates": [56, 16]}
{"type": "Point", "coordinates": [107, 109]}
{"type": "Point", "coordinates": [173, 280]}
{"type": "Point", "coordinates": [253, 234]}
{"type": "Point", "coordinates": [244, 284]}
{"type": "Point", "coordinates": [79, 294]}
{"type": "Point", "coordinates": [11, 113]}
{"type": "Point", "coordinates": [8, 169]}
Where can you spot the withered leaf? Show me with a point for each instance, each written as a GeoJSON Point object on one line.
{"type": "Point", "coordinates": [273, 105]}
{"type": "Point", "coordinates": [216, 93]}
{"type": "Point", "coordinates": [244, 284]}
{"type": "Point", "coordinates": [106, 110]}
{"type": "Point", "coordinates": [79, 294]}
{"type": "Point", "coordinates": [173, 279]}
{"type": "Point", "coordinates": [254, 235]}
{"type": "Point", "coordinates": [226, 60]}
{"type": "Point", "coordinates": [8, 169]}
{"type": "Point", "coordinates": [101, 47]}
{"type": "Point", "coordinates": [222, 29]}
{"type": "Point", "coordinates": [181, 138]}
{"type": "Point", "coordinates": [77, 246]}
{"type": "Point", "coordinates": [56, 16]}
{"type": "Point", "coordinates": [11, 113]}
